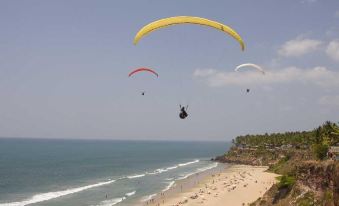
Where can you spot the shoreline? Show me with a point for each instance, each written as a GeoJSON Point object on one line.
{"type": "Point", "coordinates": [227, 184]}
{"type": "Point", "coordinates": [182, 185]}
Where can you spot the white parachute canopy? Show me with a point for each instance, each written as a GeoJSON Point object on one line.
{"type": "Point", "coordinates": [250, 65]}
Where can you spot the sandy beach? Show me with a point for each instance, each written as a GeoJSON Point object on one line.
{"type": "Point", "coordinates": [234, 185]}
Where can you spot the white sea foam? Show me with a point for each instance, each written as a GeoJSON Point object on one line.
{"type": "Point", "coordinates": [130, 193]}
{"type": "Point", "coordinates": [135, 176]}
{"type": "Point", "coordinates": [211, 166]}
{"type": "Point", "coordinates": [184, 176]}
{"type": "Point", "coordinates": [151, 173]}
{"type": "Point", "coordinates": [115, 200]}
{"type": "Point", "coordinates": [146, 198]}
{"type": "Point", "coordinates": [52, 195]}
{"type": "Point", "coordinates": [157, 171]}
{"type": "Point", "coordinates": [188, 163]}
{"type": "Point", "coordinates": [169, 186]}
{"type": "Point", "coordinates": [111, 202]}
{"type": "Point", "coordinates": [171, 168]}
{"type": "Point", "coordinates": [161, 170]}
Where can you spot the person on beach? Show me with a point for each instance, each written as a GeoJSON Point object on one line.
{"type": "Point", "coordinates": [183, 114]}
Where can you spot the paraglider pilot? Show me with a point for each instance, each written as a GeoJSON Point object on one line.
{"type": "Point", "coordinates": [183, 114]}
{"type": "Point", "coordinates": [247, 90]}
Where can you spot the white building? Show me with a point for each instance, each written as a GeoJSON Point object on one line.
{"type": "Point", "coordinates": [335, 151]}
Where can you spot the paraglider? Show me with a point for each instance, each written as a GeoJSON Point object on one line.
{"type": "Point", "coordinates": [170, 21]}
{"type": "Point", "coordinates": [187, 20]}
{"type": "Point", "coordinates": [143, 70]}
{"type": "Point", "coordinates": [183, 114]}
{"type": "Point", "coordinates": [250, 65]}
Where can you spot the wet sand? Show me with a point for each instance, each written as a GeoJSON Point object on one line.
{"type": "Point", "coordinates": [231, 185]}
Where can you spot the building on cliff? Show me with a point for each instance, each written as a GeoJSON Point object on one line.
{"type": "Point", "coordinates": [334, 152]}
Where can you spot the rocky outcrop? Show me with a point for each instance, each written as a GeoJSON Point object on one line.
{"type": "Point", "coordinates": [317, 184]}
{"type": "Point", "coordinates": [336, 185]}
{"type": "Point", "coordinates": [235, 160]}
{"type": "Point", "coordinates": [250, 157]}
{"type": "Point", "coordinates": [318, 176]}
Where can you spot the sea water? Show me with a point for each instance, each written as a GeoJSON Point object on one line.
{"type": "Point", "coordinates": [96, 172]}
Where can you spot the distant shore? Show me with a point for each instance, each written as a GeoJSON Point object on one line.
{"type": "Point", "coordinates": [228, 185]}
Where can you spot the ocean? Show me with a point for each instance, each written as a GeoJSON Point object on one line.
{"type": "Point", "coordinates": [96, 172]}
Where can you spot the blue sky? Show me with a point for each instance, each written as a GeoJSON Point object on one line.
{"type": "Point", "coordinates": [64, 66]}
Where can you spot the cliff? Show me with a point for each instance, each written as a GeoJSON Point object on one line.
{"type": "Point", "coordinates": [308, 176]}
{"type": "Point", "coordinates": [316, 184]}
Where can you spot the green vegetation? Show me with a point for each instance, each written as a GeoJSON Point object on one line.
{"type": "Point", "coordinates": [320, 150]}
{"type": "Point", "coordinates": [276, 139]}
{"type": "Point", "coordinates": [284, 166]}
{"type": "Point", "coordinates": [324, 136]}
{"type": "Point", "coordinates": [327, 198]}
{"type": "Point", "coordinates": [286, 182]}
{"type": "Point", "coordinates": [278, 166]}
{"type": "Point", "coordinates": [307, 200]}
{"type": "Point", "coordinates": [319, 140]}
{"type": "Point", "coordinates": [295, 156]}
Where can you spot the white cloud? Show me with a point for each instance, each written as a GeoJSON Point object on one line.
{"type": "Point", "coordinates": [204, 72]}
{"type": "Point", "coordinates": [298, 47]}
{"type": "Point", "coordinates": [329, 100]}
{"type": "Point", "coordinates": [319, 76]}
{"type": "Point", "coordinates": [332, 32]}
{"type": "Point", "coordinates": [332, 50]}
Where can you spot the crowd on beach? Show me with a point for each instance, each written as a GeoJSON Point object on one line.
{"type": "Point", "coordinates": [231, 183]}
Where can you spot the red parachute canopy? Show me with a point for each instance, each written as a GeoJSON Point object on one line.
{"type": "Point", "coordinates": [143, 70]}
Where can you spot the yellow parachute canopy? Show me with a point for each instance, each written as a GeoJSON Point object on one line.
{"type": "Point", "coordinates": [187, 20]}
